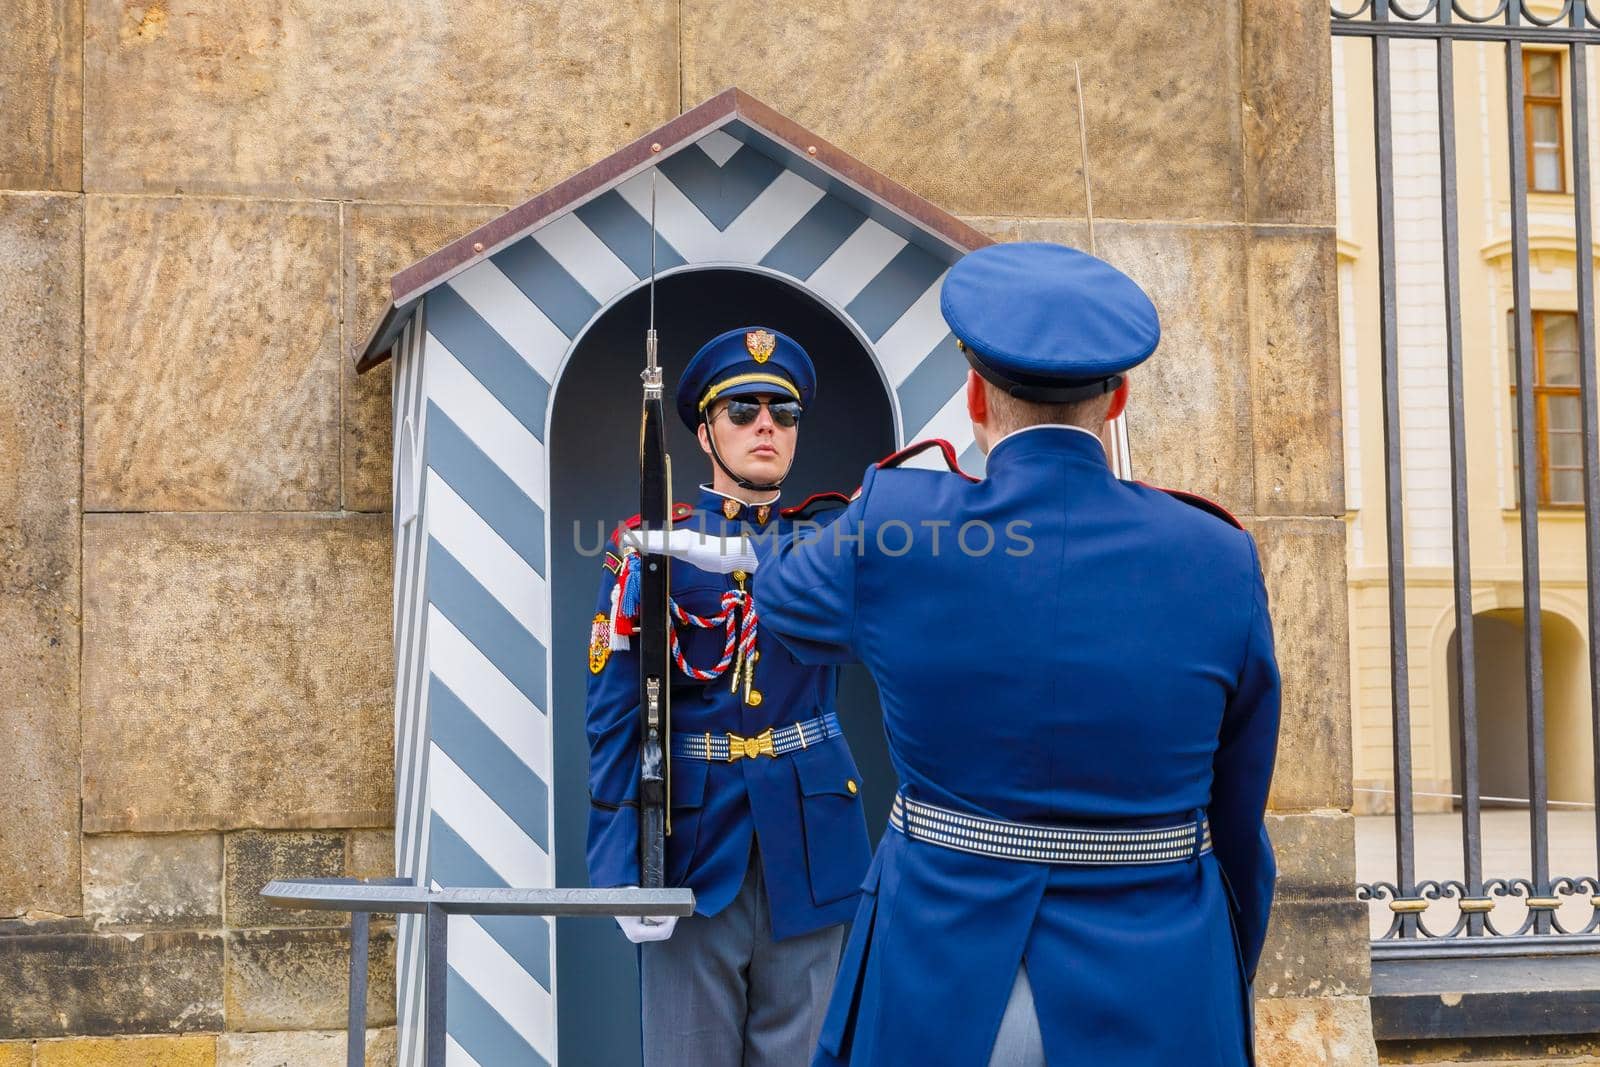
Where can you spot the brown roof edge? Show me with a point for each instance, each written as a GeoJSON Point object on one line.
{"type": "Point", "coordinates": [869, 180]}
{"type": "Point", "coordinates": [385, 333]}
{"type": "Point", "coordinates": [409, 284]}
{"type": "Point", "coordinates": [366, 358]}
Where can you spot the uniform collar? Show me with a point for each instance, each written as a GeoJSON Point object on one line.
{"type": "Point", "coordinates": [1050, 438]}
{"type": "Point", "coordinates": [735, 510]}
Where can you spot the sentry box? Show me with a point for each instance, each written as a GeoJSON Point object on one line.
{"type": "Point", "coordinates": [517, 352]}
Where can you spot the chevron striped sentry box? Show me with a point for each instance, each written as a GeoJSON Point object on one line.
{"type": "Point", "coordinates": [480, 332]}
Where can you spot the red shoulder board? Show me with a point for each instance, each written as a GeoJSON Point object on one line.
{"type": "Point", "coordinates": [916, 448]}
{"type": "Point", "coordinates": [680, 511]}
{"type": "Point", "coordinates": [1195, 500]}
{"type": "Point", "coordinates": [814, 503]}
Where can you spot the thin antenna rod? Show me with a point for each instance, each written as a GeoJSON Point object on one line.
{"type": "Point", "coordinates": [652, 372]}
{"type": "Point", "coordinates": [1083, 152]}
{"type": "Point", "coordinates": [1117, 429]}
{"type": "Point", "coordinates": [652, 249]}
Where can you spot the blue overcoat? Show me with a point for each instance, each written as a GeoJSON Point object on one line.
{"type": "Point", "coordinates": [804, 808]}
{"type": "Point", "coordinates": [1051, 645]}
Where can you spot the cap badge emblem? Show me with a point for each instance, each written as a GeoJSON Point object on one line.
{"type": "Point", "coordinates": [760, 344]}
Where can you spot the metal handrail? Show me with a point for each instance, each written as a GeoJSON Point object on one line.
{"type": "Point", "coordinates": [363, 896]}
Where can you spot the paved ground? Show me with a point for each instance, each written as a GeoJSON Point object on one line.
{"type": "Point", "coordinates": [1505, 855]}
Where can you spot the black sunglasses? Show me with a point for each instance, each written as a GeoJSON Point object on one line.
{"type": "Point", "coordinates": [784, 412]}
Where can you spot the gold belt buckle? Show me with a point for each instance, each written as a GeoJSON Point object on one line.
{"type": "Point", "coordinates": [750, 747]}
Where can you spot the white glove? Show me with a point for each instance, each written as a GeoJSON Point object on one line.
{"type": "Point", "coordinates": [707, 551]}
{"type": "Point", "coordinates": [641, 928]}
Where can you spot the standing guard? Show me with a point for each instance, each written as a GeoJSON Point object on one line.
{"type": "Point", "coordinates": [764, 809]}
{"type": "Point", "coordinates": [1081, 700]}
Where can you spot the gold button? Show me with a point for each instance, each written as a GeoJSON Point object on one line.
{"type": "Point", "coordinates": [739, 576]}
{"type": "Point", "coordinates": [850, 784]}
{"type": "Point", "coordinates": [754, 699]}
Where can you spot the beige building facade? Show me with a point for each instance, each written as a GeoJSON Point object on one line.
{"type": "Point", "coordinates": [199, 209]}
{"type": "Point", "coordinates": [1484, 218]}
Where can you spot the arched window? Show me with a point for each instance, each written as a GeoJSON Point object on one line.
{"type": "Point", "coordinates": [406, 474]}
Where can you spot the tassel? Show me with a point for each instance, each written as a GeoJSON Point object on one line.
{"type": "Point", "coordinates": [630, 592]}
{"type": "Point", "coordinates": [621, 625]}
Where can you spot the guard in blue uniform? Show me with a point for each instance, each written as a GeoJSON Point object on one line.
{"type": "Point", "coordinates": [1081, 701]}
{"type": "Point", "coordinates": [766, 820]}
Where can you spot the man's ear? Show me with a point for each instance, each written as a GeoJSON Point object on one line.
{"type": "Point", "coordinates": [702, 431]}
{"type": "Point", "coordinates": [977, 399]}
{"type": "Point", "coordinates": [1119, 401]}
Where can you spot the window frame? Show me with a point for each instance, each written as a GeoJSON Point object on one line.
{"type": "Point", "coordinates": [1541, 413]}
{"type": "Point", "coordinates": [1530, 100]}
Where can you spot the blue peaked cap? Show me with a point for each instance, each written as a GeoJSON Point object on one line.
{"type": "Point", "coordinates": [749, 361]}
{"type": "Point", "coordinates": [1046, 322]}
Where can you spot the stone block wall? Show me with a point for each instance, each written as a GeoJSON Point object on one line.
{"type": "Point", "coordinates": [199, 209]}
{"type": "Point", "coordinates": [176, 960]}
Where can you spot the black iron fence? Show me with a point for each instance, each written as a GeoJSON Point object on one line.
{"type": "Point", "coordinates": [1509, 25]}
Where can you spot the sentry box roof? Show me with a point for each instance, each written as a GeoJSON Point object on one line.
{"type": "Point", "coordinates": [734, 176]}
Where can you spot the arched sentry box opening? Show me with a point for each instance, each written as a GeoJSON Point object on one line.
{"type": "Point", "coordinates": [517, 350]}
{"type": "Point", "coordinates": [593, 466]}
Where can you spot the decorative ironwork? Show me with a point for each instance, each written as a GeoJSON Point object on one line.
{"type": "Point", "coordinates": [1397, 18]}
{"type": "Point", "coordinates": [1509, 24]}
{"type": "Point", "coordinates": [1409, 919]}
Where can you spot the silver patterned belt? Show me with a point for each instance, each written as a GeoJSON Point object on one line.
{"type": "Point", "coordinates": [1097, 846]}
{"type": "Point", "coordinates": [772, 742]}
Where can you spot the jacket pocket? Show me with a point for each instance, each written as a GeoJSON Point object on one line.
{"type": "Point", "coordinates": [837, 849]}
{"type": "Point", "coordinates": [688, 797]}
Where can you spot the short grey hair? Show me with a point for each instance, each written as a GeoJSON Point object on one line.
{"type": "Point", "coordinates": [1008, 414]}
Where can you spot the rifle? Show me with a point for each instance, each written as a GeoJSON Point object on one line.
{"type": "Point", "coordinates": [655, 703]}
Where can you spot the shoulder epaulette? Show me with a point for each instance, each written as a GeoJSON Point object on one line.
{"type": "Point", "coordinates": [815, 503]}
{"type": "Point", "coordinates": [911, 451]}
{"type": "Point", "coordinates": [1195, 500]}
{"type": "Point", "coordinates": [680, 511]}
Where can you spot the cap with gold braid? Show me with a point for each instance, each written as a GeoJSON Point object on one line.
{"type": "Point", "coordinates": [749, 361]}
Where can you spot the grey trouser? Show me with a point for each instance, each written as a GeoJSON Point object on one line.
{"type": "Point", "coordinates": [1019, 1044]}
{"type": "Point", "coordinates": [722, 993]}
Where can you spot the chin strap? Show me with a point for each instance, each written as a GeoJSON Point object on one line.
{"type": "Point", "coordinates": [738, 479]}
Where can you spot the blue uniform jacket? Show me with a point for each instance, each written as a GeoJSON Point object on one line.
{"type": "Point", "coordinates": [1109, 658]}
{"type": "Point", "coordinates": [804, 808]}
